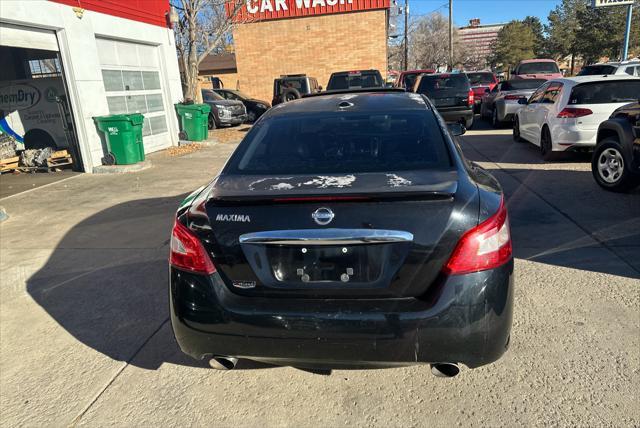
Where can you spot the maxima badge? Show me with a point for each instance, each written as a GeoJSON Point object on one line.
{"type": "Point", "coordinates": [323, 216]}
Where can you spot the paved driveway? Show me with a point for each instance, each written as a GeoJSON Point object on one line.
{"type": "Point", "coordinates": [85, 337]}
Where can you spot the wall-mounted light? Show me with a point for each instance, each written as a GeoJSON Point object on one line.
{"type": "Point", "coordinates": [174, 18]}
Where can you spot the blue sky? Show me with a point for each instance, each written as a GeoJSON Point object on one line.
{"type": "Point", "coordinates": [489, 11]}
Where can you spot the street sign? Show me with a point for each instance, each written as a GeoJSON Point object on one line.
{"type": "Point", "coordinates": [605, 3]}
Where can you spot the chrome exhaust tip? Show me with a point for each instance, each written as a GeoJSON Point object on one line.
{"type": "Point", "coordinates": [223, 363]}
{"type": "Point", "coordinates": [447, 370]}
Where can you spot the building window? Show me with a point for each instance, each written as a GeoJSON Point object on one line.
{"type": "Point", "coordinates": [48, 67]}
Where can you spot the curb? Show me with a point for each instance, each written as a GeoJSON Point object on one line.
{"type": "Point", "coordinates": [122, 169]}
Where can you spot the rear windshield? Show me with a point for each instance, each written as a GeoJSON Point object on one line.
{"type": "Point", "coordinates": [410, 80]}
{"type": "Point", "coordinates": [365, 79]}
{"type": "Point", "coordinates": [341, 142]}
{"type": "Point", "coordinates": [519, 85]}
{"type": "Point", "coordinates": [443, 85]}
{"type": "Point", "coordinates": [298, 84]}
{"type": "Point", "coordinates": [594, 70]}
{"type": "Point", "coordinates": [605, 92]}
{"type": "Point", "coordinates": [480, 78]}
{"type": "Point", "coordinates": [538, 68]}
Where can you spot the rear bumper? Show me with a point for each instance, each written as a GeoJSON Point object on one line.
{"type": "Point", "coordinates": [506, 111]}
{"type": "Point", "coordinates": [463, 319]}
{"type": "Point", "coordinates": [458, 115]}
{"type": "Point", "coordinates": [566, 137]}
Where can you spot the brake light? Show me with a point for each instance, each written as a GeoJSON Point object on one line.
{"type": "Point", "coordinates": [471, 98]}
{"type": "Point", "coordinates": [322, 199]}
{"type": "Point", "coordinates": [570, 113]}
{"type": "Point", "coordinates": [512, 97]}
{"type": "Point", "coordinates": [486, 246]}
{"type": "Point", "coordinates": [187, 251]}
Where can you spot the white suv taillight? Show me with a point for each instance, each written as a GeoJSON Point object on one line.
{"type": "Point", "coordinates": [187, 252]}
{"type": "Point", "coordinates": [486, 246]}
{"type": "Point", "coordinates": [572, 113]}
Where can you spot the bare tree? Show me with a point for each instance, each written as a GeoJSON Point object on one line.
{"type": "Point", "coordinates": [204, 27]}
{"type": "Point", "coordinates": [429, 42]}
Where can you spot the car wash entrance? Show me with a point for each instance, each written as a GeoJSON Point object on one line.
{"type": "Point", "coordinates": [36, 122]}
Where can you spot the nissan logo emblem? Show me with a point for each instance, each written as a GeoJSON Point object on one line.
{"type": "Point", "coordinates": [323, 216]}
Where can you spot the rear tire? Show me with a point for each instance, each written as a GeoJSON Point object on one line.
{"type": "Point", "coordinates": [609, 168]}
{"type": "Point", "coordinates": [468, 123]}
{"type": "Point", "coordinates": [494, 119]}
{"type": "Point", "coordinates": [546, 146]}
{"type": "Point", "coordinates": [516, 131]}
{"type": "Point", "coordinates": [291, 94]}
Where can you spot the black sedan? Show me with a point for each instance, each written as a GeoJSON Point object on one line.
{"type": "Point", "coordinates": [346, 230]}
{"type": "Point", "coordinates": [255, 108]}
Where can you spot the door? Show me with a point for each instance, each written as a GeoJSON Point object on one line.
{"type": "Point", "coordinates": [34, 107]}
{"type": "Point", "coordinates": [132, 80]}
{"type": "Point", "coordinates": [528, 113]}
{"type": "Point", "coordinates": [545, 108]}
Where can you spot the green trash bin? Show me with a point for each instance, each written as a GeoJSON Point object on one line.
{"type": "Point", "coordinates": [194, 121]}
{"type": "Point", "coordinates": [123, 133]}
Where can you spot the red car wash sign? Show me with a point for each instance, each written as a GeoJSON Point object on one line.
{"type": "Point", "coordinates": [261, 10]}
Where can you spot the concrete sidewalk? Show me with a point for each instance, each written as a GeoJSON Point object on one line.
{"type": "Point", "coordinates": [85, 336]}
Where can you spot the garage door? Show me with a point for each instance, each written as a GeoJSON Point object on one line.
{"type": "Point", "coordinates": [132, 81]}
{"type": "Point", "coordinates": [31, 38]}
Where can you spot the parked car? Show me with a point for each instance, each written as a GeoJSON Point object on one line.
{"type": "Point", "coordinates": [451, 94]}
{"type": "Point", "coordinates": [355, 80]}
{"type": "Point", "coordinates": [480, 82]}
{"type": "Point", "coordinates": [295, 255]}
{"type": "Point", "coordinates": [407, 79]}
{"type": "Point", "coordinates": [616, 159]}
{"type": "Point", "coordinates": [537, 69]}
{"type": "Point", "coordinates": [501, 103]}
{"type": "Point", "coordinates": [255, 108]}
{"type": "Point", "coordinates": [631, 68]}
{"type": "Point", "coordinates": [223, 112]}
{"type": "Point", "coordinates": [292, 87]}
{"type": "Point", "coordinates": [564, 114]}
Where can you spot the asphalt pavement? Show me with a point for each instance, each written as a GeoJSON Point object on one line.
{"type": "Point", "coordinates": [85, 337]}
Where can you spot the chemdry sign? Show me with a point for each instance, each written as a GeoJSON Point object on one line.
{"type": "Point", "coordinates": [18, 97]}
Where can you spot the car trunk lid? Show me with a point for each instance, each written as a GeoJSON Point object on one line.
{"type": "Point", "coordinates": [337, 235]}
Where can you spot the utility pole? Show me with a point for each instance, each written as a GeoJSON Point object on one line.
{"type": "Point", "coordinates": [406, 33]}
{"type": "Point", "coordinates": [450, 35]}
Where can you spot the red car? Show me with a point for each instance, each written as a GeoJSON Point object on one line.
{"type": "Point", "coordinates": [481, 81]}
{"type": "Point", "coordinates": [408, 78]}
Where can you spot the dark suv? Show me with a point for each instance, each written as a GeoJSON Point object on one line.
{"type": "Point", "coordinates": [292, 87]}
{"type": "Point", "coordinates": [452, 95]}
{"type": "Point", "coordinates": [357, 79]}
{"type": "Point", "coordinates": [616, 158]}
{"type": "Point", "coordinates": [223, 112]}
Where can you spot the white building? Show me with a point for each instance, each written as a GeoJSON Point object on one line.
{"type": "Point", "coordinates": [65, 62]}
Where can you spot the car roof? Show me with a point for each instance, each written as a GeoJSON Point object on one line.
{"type": "Point", "coordinates": [422, 70]}
{"type": "Point", "coordinates": [597, 78]}
{"type": "Point", "coordinates": [526, 61]}
{"type": "Point", "coordinates": [356, 71]}
{"type": "Point", "coordinates": [355, 101]}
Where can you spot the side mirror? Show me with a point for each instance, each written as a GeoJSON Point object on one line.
{"type": "Point", "coordinates": [456, 129]}
{"type": "Point", "coordinates": [523, 101]}
{"type": "Point", "coordinates": [320, 88]}
{"type": "Point", "coordinates": [487, 90]}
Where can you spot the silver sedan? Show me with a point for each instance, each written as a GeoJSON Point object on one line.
{"type": "Point", "coordinates": [501, 104]}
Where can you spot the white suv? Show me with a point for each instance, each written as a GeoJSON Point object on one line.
{"type": "Point", "coordinates": [632, 68]}
{"type": "Point", "coordinates": [564, 114]}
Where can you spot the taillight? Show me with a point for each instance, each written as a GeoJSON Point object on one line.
{"type": "Point", "coordinates": [187, 251]}
{"type": "Point", "coordinates": [570, 113]}
{"type": "Point", "coordinates": [471, 98]}
{"type": "Point", "coordinates": [486, 246]}
{"type": "Point", "coordinates": [512, 97]}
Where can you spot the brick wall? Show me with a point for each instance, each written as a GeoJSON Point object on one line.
{"type": "Point", "coordinates": [317, 46]}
